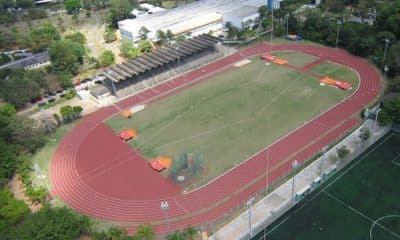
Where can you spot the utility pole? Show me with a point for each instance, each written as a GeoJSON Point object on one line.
{"type": "Point", "coordinates": [250, 204]}
{"type": "Point", "coordinates": [376, 120]}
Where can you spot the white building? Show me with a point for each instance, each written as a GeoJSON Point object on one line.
{"type": "Point", "coordinates": [192, 19]}
{"type": "Point", "coordinates": [243, 17]}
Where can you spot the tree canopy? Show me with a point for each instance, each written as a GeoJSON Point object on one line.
{"type": "Point", "coordinates": [43, 36]}
{"type": "Point", "coordinates": [50, 223]}
{"type": "Point", "coordinates": [77, 37]}
{"type": "Point", "coordinates": [72, 6]}
{"type": "Point", "coordinates": [66, 56]}
{"type": "Point", "coordinates": [119, 10]}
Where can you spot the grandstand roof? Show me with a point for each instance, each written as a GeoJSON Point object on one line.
{"type": "Point", "coordinates": [146, 62]}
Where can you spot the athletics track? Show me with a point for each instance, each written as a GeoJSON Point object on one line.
{"type": "Point", "coordinates": [97, 174]}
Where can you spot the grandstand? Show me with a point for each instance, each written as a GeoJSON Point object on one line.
{"type": "Point", "coordinates": [149, 69]}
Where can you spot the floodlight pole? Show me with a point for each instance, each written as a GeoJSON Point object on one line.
{"type": "Point", "coordinates": [272, 22]}
{"type": "Point", "coordinates": [294, 166]}
{"type": "Point", "coordinates": [387, 41]}
{"type": "Point", "coordinates": [250, 204]}
{"type": "Point", "coordinates": [164, 206]}
{"type": "Point", "coordinates": [376, 120]}
{"type": "Point", "coordinates": [338, 31]}
{"type": "Point", "coordinates": [324, 150]}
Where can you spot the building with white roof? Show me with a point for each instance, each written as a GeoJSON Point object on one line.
{"type": "Point", "coordinates": [243, 17]}
{"type": "Point", "coordinates": [192, 19]}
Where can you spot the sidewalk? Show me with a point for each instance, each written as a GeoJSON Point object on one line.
{"type": "Point", "coordinates": [270, 208]}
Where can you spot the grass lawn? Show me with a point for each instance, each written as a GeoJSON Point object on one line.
{"type": "Point", "coordinates": [297, 59]}
{"type": "Point", "coordinates": [44, 155]}
{"type": "Point", "coordinates": [225, 118]}
{"type": "Point", "coordinates": [346, 207]}
{"type": "Point", "coordinates": [336, 71]}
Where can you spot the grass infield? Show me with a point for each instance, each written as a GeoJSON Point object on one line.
{"type": "Point", "coordinates": [347, 206]}
{"type": "Point", "coordinates": [226, 118]}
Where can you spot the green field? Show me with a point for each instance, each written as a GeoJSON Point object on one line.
{"type": "Point", "coordinates": [336, 71]}
{"type": "Point", "coordinates": [226, 118]}
{"type": "Point", "coordinates": [347, 206]}
{"type": "Point", "coordinates": [294, 58]}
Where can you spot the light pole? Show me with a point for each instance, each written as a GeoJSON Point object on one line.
{"type": "Point", "coordinates": [387, 41]}
{"type": "Point", "coordinates": [338, 31]}
{"type": "Point", "coordinates": [38, 172]}
{"type": "Point", "coordinates": [324, 150]}
{"type": "Point", "coordinates": [250, 204]}
{"type": "Point", "coordinates": [376, 120]}
{"type": "Point", "coordinates": [287, 24]}
{"type": "Point", "coordinates": [164, 206]}
{"type": "Point", "coordinates": [385, 70]}
{"type": "Point", "coordinates": [294, 166]}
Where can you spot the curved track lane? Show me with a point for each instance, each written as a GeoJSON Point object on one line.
{"type": "Point", "coordinates": [98, 175]}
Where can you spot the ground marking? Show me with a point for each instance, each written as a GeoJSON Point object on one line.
{"type": "Point", "coordinates": [361, 214]}
{"type": "Point", "coordinates": [394, 160]}
{"type": "Point", "coordinates": [379, 219]}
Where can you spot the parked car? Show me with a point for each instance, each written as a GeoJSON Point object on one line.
{"type": "Point", "coordinates": [41, 104]}
{"type": "Point", "coordinates": [51, 100]}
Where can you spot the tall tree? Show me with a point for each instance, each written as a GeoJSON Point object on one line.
{"type": "Point", "coordinates": [119, 10]}
{"type": "Point", "coordinates": [72, 6]}
{"type": "Point", "coordinates": [43, 36]}
{"type": "Point", "coordinates": [50, 223]}
{"type": "Point", "coordinates": [77, 37]}
{"type": "Point", "coordinates": [66, 56]}
{"type": "Point", "coordinates": [19, 88]}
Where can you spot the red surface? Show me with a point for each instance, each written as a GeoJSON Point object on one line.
{"type": "Point", "coordinates": [97, 174]}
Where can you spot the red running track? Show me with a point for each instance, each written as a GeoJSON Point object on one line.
{"type": "Point", "coordinates": [98, 175]}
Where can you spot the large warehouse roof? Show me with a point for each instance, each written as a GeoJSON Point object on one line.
{"type": "Point", "coordinates": [160, 57]}
{"type": "Point", "coordinates": [181, 19]}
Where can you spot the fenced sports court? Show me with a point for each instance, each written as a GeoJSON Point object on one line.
{"type": "Point", "coordinates": [360, 202]}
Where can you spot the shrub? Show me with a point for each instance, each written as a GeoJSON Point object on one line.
{"type": "Point", "coordinates": [107, 58]}
{"type": "Point", "coordinates": [109, 35]}
{"type": "Point", "coordinates": [342, 151]}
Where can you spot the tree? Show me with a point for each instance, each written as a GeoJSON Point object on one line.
{"type": "Point", "coordinates": [19, 88]}
{"type": "Point", "coordinates": [169, 35]}
{"type": "Point", "coordinates": [161, 37]}
{"type": "Point", "coordinates": [333, 5]}
{"type": "Point", "coordinates": [143, 31]}
{"type": "Point", "coordinates": [43, 36]}
{"type": "Point", "coordinates": [26, 132]}
{"type": "Point", "coordinates": [72, 6]}
{"type": "Point", "coordinates": [112, 233]}
{"type": "Point", "coordinates": [128, 50]}
{"type": "Point", "coordinates": [342, 152]}
{"type": "Point", "coordinates": [76, 37]}
{"type": "Point", "coordinates": [24, 3]}
{"type": "Point", "coordinates": [11, 209]}
{"type": "Point", "coordinates": [7, 4]}
{"type": "Point", "coordinates": [109, 35]}
{"type": "Point", "coordinates": [145, 46]}
{"type": "Point", "coordinates": [263, 10]}
{"type": "Point", "coordinates": [107, 58]}
{"type": "Point", "coordinates": [50, 223]}
{"type": "Point", "coordinates": [66, 56]}
{"type": "Point", "coordinates": [145, 232]}
{"type": "Point", "coordinates": [119, 10]}
{"type": "Point", "coordinates": [390, 112]}
{"type": "Point", "coordinates": [8, 160]}
{"type": "Point", "coordinates": [69, 113]}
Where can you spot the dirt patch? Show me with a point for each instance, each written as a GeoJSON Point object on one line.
{"type": "Point", "coordinates": [17, 189]}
